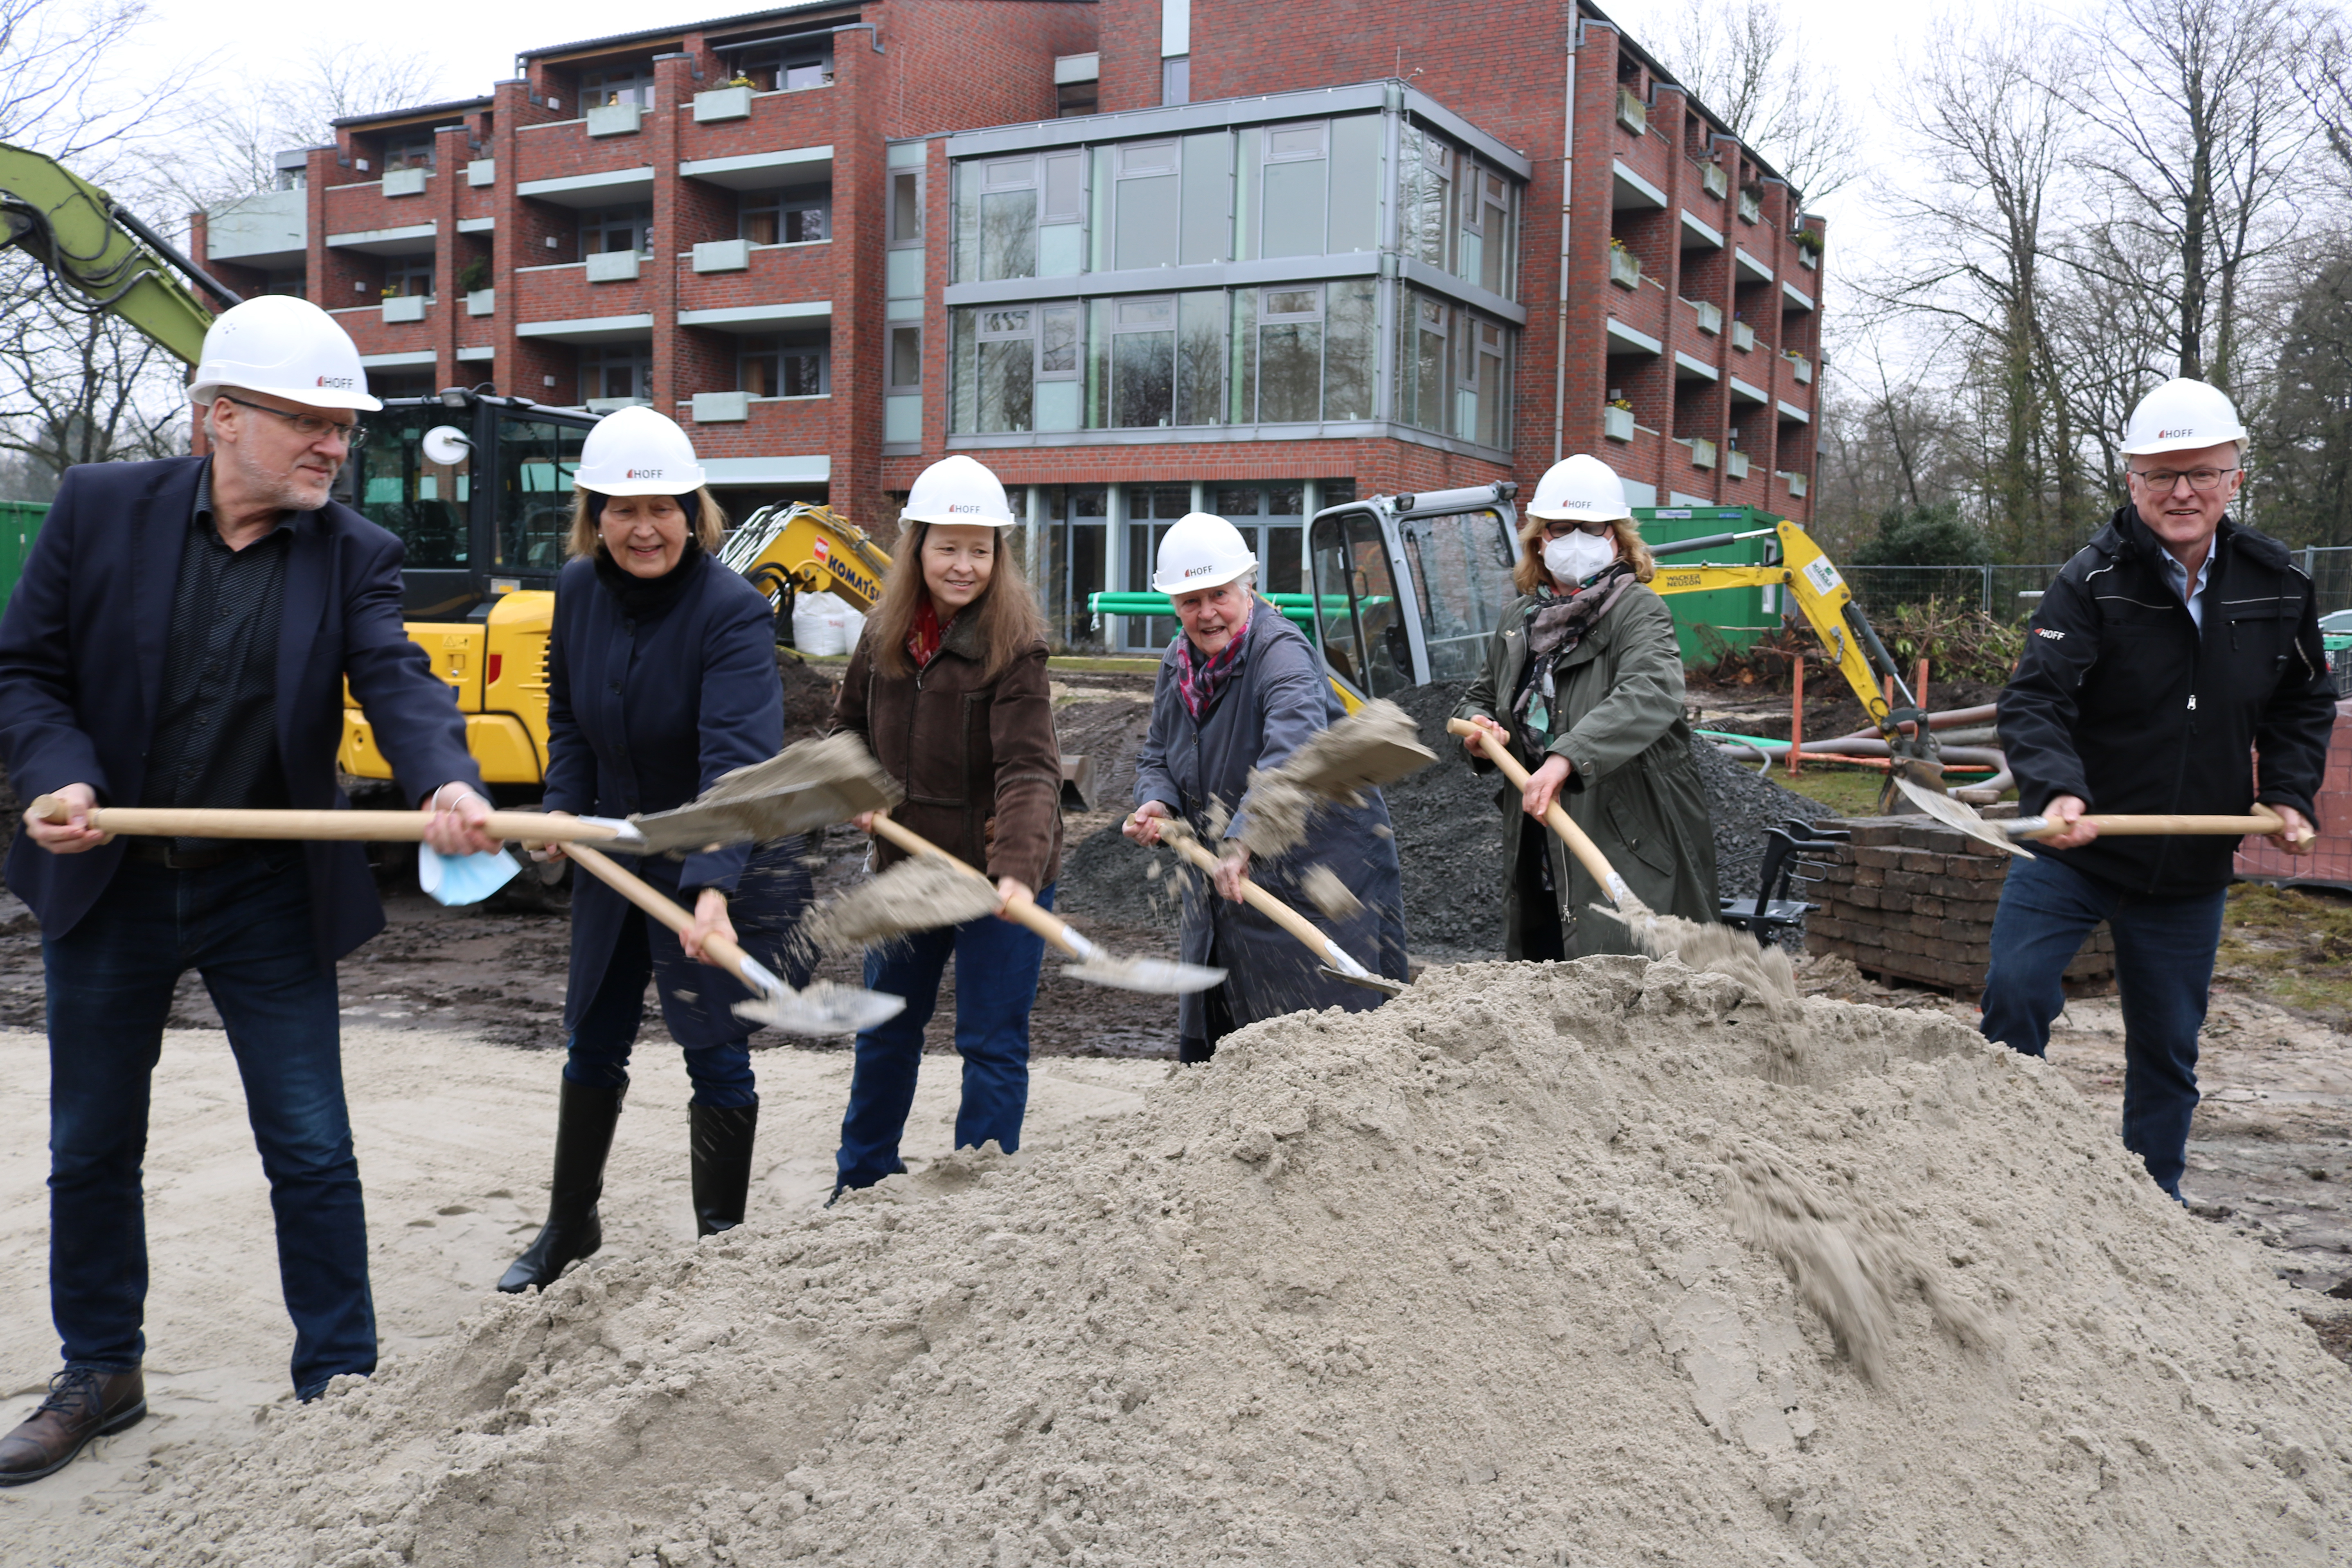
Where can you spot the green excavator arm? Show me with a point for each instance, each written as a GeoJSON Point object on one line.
{"type": "Point", "coordinates": [100, 256]}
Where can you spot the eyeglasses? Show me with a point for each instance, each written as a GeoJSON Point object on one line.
{"type": "Point", "coordinates": [1559, 528]}
{"type": "Point", "coordinates": [2163, 480]}
{"type": "Point", "coordinates": [310, 427]}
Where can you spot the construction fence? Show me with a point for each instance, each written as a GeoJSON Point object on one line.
{"type": "Point", "coordinates": [2011, 593]}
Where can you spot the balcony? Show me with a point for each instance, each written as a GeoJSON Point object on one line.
{"type": "Point", "coordinates": [1743, 336]}
{"type": "Point", "coordinates": [782, 277]}
{"type": "Point", "coordinates": [1617, 424]}
{"type": "Point", "coordinates": [268, 229]}
{"type": "Point", "coordinates": [1751, 206]}
{"type": "Point", "coordinates": [1712, 178]}
{"type": "Point", "coordinates": [1702, 452]}
{"type": "Point", "coordinates": [1735, 464]}
{"type": "Point", "coordinates": [1710, 317]}
{"type": "Point", "coordinates": [1624, 267]}
{"type": "Point", "coordinates": [724, 255]}
{"type": "Point", "coordinates": [722, 407]}
{"type": "Point", "coordinates": [404, 182]}
{"type": "Point", "coordinates": [1631, 114]}
{"type": "Point", "coordinates": [404, 308]}
{"type": "Point", "coordinates": [1801, 367]}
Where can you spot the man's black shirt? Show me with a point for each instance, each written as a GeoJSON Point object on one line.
{"type": "Point", "coordinates": [216, 739]}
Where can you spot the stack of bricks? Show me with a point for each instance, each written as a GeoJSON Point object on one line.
{"type": "Point", "coordinates": [1908, 898]}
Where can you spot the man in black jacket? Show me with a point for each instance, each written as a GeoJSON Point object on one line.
{"type": "Point", "coordinates": [2174, 666]}
{"type": "Point", "coordinates": [181, 636]}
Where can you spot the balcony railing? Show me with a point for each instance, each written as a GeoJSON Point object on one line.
{"type": "Point", "coordinates": [1631, 114]}
{"type": "Point", "coordinates": [1617, 424]}
{"type": "Point", "coordinates": [1702, 452]}
{"type": "Point", "coordinates": [1624, 268]}
{"type": "Point", "coordinates": [404, 308]}
{"type": "Point", "coordinates": [1743, 336]}
{"type": "Point", "coordinates": [1710, 317]}
{"type": "Point", "coordinates": [612, 266]}
{"type": "Point", "coordinates": [404, 182]}
{"type": "Point", "coordinates": [1796, 483]}
{"type": "Point", "coordinates": [722, 103]}
{"type": "Point", "coordinates": [1735, 464]}
{"type": "Point", "coordinates": [481, 302]}
{"type": "Point", "coordinates": [482, 172]}
{"type": "Point", "coordinates": [1751, 207]}
{"type": "Point", "coordinates": [615, 119]}
{"type": "Point", "coordinates": [1715, 181]}
{"type": "Point", "coordinates": [1801, 368]}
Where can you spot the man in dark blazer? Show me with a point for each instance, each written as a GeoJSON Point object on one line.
{"type": "Point", "coordinates": [181, 637]}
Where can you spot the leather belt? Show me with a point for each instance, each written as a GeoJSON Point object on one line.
{"type": "Point", "coordinates": [160, 852]}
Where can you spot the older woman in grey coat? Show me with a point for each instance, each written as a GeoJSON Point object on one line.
{"type": "Point", "coordinates": [1240, 689]}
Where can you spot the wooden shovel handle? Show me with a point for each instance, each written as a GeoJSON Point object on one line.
{"type": "Point", "coordinates": [659, 905]}
{"type": "Point", "coordinates": [1174, 834]}
{"type": "Point", "coordinates": [1559, 821]}
{"type": "Point", "coordinates": [375, 826]}
{"type": "Point", "coordinates": [2263, 821]}
{"type": "Point", "coordinates": [1026, 910]}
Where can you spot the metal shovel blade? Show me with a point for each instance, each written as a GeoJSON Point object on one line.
{"type": "Point", "coordinates": [1379, 982]}
{"type": "Point", "coordinates": [1956, 814]}
{"type": "Point", "coordinates": [808, 785]}
{"type": "Point", "coordinates": [823, 1009]}
{"type": "Point", "coordinates": [1156, 976]}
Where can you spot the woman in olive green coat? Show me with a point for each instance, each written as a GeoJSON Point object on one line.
{"type": "Point", "coordinates": [1584, 681]}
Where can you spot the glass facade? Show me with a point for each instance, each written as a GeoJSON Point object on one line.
{"type": "Point", "coordinates": [1095, 352]}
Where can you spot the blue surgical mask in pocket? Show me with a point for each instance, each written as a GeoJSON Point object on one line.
{"type": "Point", "coordinates": [456, 879]}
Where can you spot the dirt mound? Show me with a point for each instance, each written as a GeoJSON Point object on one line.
{"type": "Point", "coordinates": [1565, 1264]}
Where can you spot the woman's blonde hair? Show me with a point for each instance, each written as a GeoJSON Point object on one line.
{"type": "Point", "coordinates": [1530, 573]}
{"type": "Point", "coordinates": [709, 523]}
{"type": "Point", "coordinates": [1007, 615]}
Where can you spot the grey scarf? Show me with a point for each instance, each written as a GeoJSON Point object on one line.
{"type": "Point", "coordinates": [1555, 626]}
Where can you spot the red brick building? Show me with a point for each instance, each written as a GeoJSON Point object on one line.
{"type": "Point", "coordinates": [1139, 256]}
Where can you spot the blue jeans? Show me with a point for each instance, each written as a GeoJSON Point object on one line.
{"type": "Point", "coordinates": [245, 926]}
{"type": "Point", "coordinates": [996, 984]}
{"type": "Point", "coordinates": [600, 1046]}
{"type": "Point", "coordinates": [2164, 968]}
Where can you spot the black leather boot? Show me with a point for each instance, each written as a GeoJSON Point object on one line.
{"type": "Point", "coordinates": [721, 1136]}
{"type": "Point", "coordinates": [583, 1137]}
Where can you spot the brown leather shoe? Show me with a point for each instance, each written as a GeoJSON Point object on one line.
{"type": "Point", "coordinates": [82, 1405]}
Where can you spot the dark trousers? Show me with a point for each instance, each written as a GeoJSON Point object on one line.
{"type": "Point", "coordinates": [607, 1032]}
{"type": "Point", "coordinates": [247, 927]}
{"type": "Point", "coordinates": [2164, 969]}
{"type": "Point", "coordinates": [996, 966]}
{"type": "Point", "coordinates": [1540, 938]}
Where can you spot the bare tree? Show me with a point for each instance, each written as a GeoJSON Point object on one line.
{"type": "Point", "coordinates": [2203, 131]}
{"type": "Point", "coordinates": [51, 98]}
{"type": "Point", "coordinates": [233, 152]}
{"type": "Point", "coordinates": [85, 389]}
{"type": "Point", "coordinates": [1749, 63]}
{"type": "Point", "coordinates": [2322, 72]}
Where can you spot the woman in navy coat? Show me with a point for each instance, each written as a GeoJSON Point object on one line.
{"type": "Point", "coordinates": [661, 674]}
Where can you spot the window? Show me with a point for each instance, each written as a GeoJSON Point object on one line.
{"type": "Point", "coordinates": [1461, 567]}
{"type": "Point", "coordinates": [617, 228]}
{"type": "Point", "coordinates": [797, 217]}
{"type": "Point", "coordinates": [996, 219]}
{"type": "Point", "coordinates": [1072, 99]}
{"type": "Point", "coordinates": [408, 275]}
{"type": "Point", "coordinates": [786, 67]}
{"type": "Point", "coordinates": [537, 458]}
{"type": "Point", "coordinates": [1427, 198]}
{"type": "Point", "coordinates": [1290, 354]}
{"type": "Point", "coordinates": [905, 210]}
{"type": "Point", "coordinates": [407, 149]}
{"type": "Point", "coordinates": [1294, 190]}
{"type": "Point", "coordinates": [1007, 342]}
{"type": "Point", "coordinates": [782, 367]}
{"type": "Point", "coordinates": [1206, 225]}
{"type": "Point", "coordinates": [1486, 240]}
{"type": "Point", "coordinates": [610, 371]}
{"type": "Point", "coordinates": [1176, 80]}
{"type": "Point", "coordinates": [1146, 219]}
{"type": "Point", "coordinates": [1453, 372]}
{"type": "Point", "coordinates": [906, 359]}
{"type": "Point", "coordinates": [626, 84]}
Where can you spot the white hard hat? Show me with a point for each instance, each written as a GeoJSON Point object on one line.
{"type": "Point", "coordinates": [958, 489]}
{"type": "Point", "coordinates": [1579, 490]}
{"type": "Point", "coordinates": [634, 451]}
{"type": "Point", "coordinates": [2181, 414]}
{"type": "Point", "coordinates": [1201, 551]}
{"type": "Point", "coordinates": [286, 347]}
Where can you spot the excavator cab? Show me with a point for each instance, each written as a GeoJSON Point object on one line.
{"type": "Point", "coordinates": [1408, 589]}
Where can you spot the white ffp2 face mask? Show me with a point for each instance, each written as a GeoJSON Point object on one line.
{"type": "Point", "coordinates": [1576, 556]}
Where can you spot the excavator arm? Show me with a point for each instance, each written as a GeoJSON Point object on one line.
{"type": "Point", "coordinates": [1827, 604]}
{"type": "Point", "coordinates": [802, 549]}
{"type": "Point", "coordinates": [99, 257]}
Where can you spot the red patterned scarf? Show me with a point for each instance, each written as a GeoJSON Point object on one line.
{"type": "Point", "coordinates": [1199, 676]}
{"type": "Point", "coordinates": [924, 637]}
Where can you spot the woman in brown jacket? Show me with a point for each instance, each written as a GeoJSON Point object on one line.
{"type": "Point", "coordinates": [947, 689]}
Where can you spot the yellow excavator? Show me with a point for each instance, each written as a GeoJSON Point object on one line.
{"type": "Point", "coordinates": [478, 486]}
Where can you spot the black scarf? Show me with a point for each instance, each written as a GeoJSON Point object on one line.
{"type": "Point", "coordinates": [649, 598]}
{"type": "Point", "coordinates": [1555, 626]}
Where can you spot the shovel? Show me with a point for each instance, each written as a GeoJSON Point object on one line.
{"type": "Point", "coordinates": [370, 826]}
{"type": "Point", "coordinates": [823, 1009]}
{"type": "Point", "coordinates": [1156, 975]}
{"type": "Point", "coordinates": [2263, 821]}
{"type": "Point", "coordinates": [1337, 962]}
{"type": "Point", "coordinates": [1630, 909]}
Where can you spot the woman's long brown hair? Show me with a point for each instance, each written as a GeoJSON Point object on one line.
{"type": "Point", "coordinates": [1008, 620]}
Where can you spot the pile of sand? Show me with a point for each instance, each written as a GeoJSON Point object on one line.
{"type": "Point", "coordinates": [1593, 1263]}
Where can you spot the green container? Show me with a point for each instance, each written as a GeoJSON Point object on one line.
{"type": "Point", "coordinates": [1709, 625]}
{"type": "Point", "coordinates": [20, 524]}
